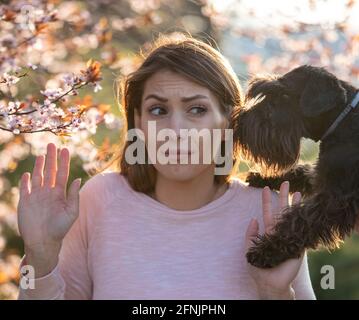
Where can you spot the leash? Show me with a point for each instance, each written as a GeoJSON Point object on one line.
{"type": "Point", "coordinates": [352, 105]}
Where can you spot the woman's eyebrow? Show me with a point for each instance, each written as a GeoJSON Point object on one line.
{"type": "Point", "coordinates": [197, 96]}
{"type": "Point", "coordinates": [155, 96]}
{"type": "Point", "coordinates": [185, 99]}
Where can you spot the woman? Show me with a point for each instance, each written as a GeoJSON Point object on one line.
{"type": "Point", "coordinates": [153, 230]}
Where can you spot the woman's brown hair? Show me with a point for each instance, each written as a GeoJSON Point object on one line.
{"type": "Point", "coordinates": [192, 58]}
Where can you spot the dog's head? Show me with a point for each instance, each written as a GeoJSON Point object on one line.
{"type": "Point", "coordinates": [280, 110]}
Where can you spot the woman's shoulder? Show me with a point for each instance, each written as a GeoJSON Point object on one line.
{"type": "Point", "coordinates": [244, 186]}
{"type": "Point", "coordinates": [99, 192]}
{"type": "Point", "coordinates": [250, 194]}
{"type": "Point", "coordinates": [105, 184]}
{"type": "Point", "coordinates": [240, 183]}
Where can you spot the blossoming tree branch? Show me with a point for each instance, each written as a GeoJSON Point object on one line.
{"type": "Point", "coordinates": [51, 110]}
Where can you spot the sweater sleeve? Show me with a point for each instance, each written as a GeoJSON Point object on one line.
{"type": "Point", "coordinates": [70, 279]}
{"type": "Point", "coordinates": [302, 284]}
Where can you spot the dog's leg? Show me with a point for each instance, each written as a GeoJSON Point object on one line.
{"type": "Point", "coordinates": [301, 178]}
{"type": "Point", "coordinates": [324, 219]}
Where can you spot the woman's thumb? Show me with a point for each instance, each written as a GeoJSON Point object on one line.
{"type": "Point", "coordinates": [252, 232]}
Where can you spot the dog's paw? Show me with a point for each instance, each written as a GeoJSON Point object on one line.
{"type": "Point", "coordinates": [271, 251]}
{"type": "Point", "coordinates": [268, 252]}
{"type": "Point", "coordinates": [257, 258]}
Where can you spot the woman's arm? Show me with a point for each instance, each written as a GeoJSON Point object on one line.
{"type": "Point", "coordinates": [70, 278]}
{"type": "Point", "coordinates": [53, 223]}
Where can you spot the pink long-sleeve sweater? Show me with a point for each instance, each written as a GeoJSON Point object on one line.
{"type": "Point", "coordinates": [126, 245]}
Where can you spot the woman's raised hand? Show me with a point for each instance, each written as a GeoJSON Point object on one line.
{"type": "Point", "coordinates": [45, 211]}
{"type": "Point", "coordinates": [276, 282]}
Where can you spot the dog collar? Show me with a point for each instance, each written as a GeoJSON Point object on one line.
{"type": "Point", "coordinates": [352, 105]}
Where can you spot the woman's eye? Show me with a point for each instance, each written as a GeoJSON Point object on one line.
{"type": "Point", "coordinates": [157, 111]}
{"type": "Point", "coordinates": [198, 110]}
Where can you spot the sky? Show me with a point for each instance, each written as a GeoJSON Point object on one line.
{"type": "Point", "coordinates": [275, 12]}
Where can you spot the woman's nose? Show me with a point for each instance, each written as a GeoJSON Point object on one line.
{"type": "Point", "coordinates": [177, 123]}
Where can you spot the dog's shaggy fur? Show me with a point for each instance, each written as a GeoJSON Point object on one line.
{"type": "Point", "coordinates": [279, 111]}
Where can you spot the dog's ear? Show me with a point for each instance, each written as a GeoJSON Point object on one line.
{"type": "Point", "coordinates": [261, 86]}
{"type": "Point", "coordinates": [321, 93]}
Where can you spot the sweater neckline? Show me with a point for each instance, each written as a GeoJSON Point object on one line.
{"type": "Point", "coordinates": [233, 186]}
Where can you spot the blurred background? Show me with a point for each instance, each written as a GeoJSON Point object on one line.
{"type": "Point", "coordinates": [45, 44]}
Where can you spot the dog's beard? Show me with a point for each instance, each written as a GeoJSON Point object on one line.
{"type": "Point", "coordinates": [273, 150]}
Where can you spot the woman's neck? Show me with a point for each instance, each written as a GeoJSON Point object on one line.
{"type": "Point", "coordinates": [188, 195]}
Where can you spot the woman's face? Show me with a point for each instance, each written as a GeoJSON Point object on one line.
{"type": "Point", "coordinates": [172, 101]}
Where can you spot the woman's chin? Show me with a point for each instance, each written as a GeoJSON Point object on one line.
{"type": "Point", "coordinates": [180, 172]}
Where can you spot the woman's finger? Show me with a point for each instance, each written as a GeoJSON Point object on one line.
{"type": "Point", "coordinates": [24, 185]}
{"type": "Point", "coordinates": [296, 198]}
{"type": "Point", "coordinates": [63, 171]}
{"type": "Point", "coordinates": [283, 195]}
{"type": "Point", "coordinates": [50, 165]}
{"type": "Point", "coordinates": [251, 233]}
{"type": "Point", "coordinates": [37, 174]}
{"type": "Point", "coordinates": [267, 209]}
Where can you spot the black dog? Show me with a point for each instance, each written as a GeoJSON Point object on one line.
{"type": "Point", "coordinates": [306, 102]}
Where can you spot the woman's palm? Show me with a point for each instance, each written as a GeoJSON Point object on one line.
{"type": "Point", "coordinates": [45, 212]}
